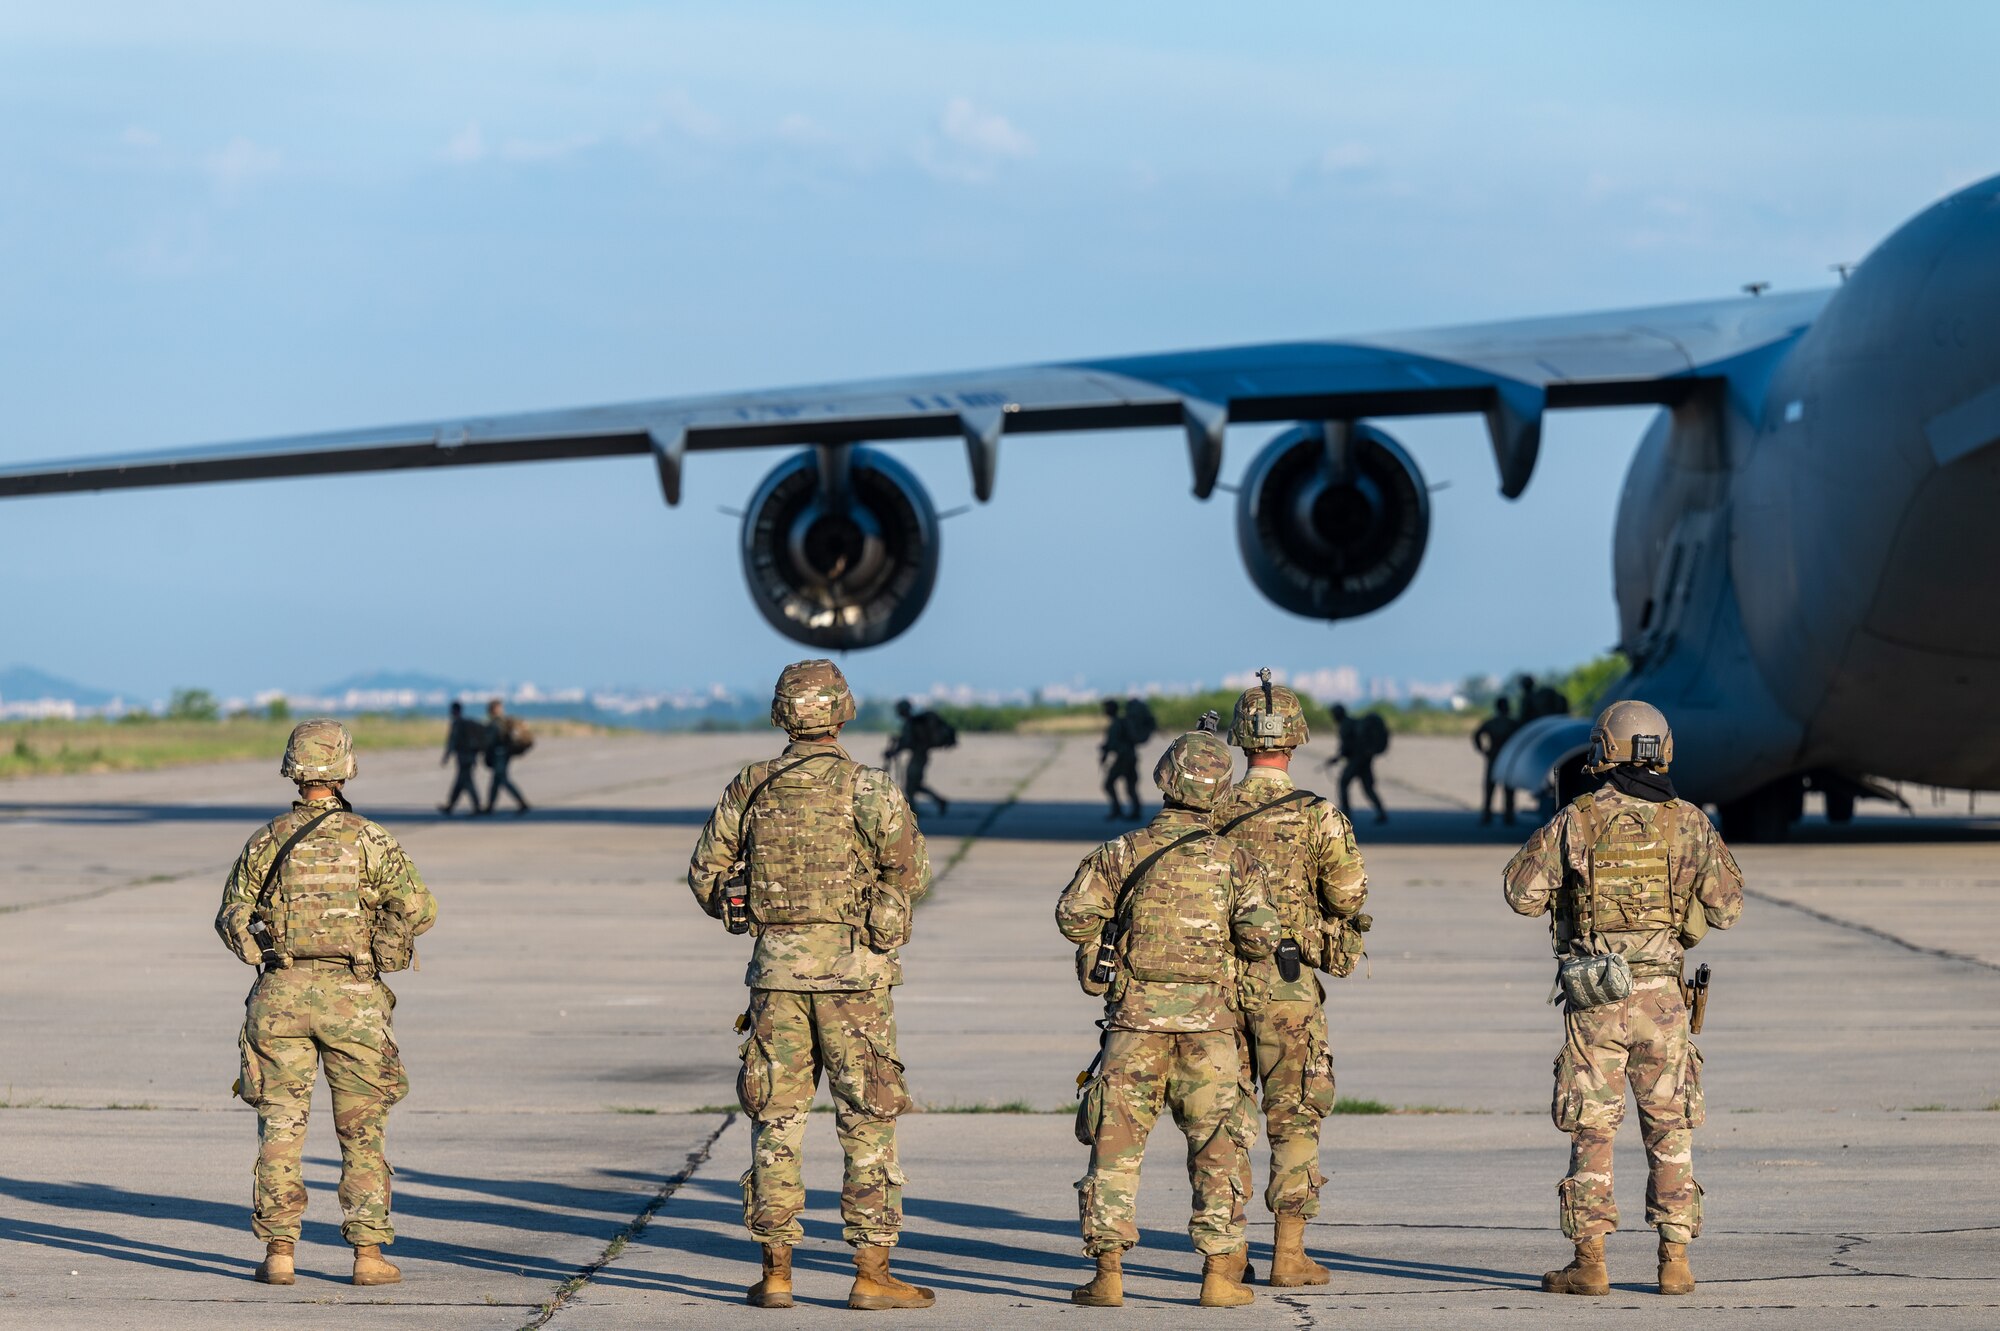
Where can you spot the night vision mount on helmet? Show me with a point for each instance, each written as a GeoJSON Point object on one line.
{"type": "Point", "coordinates": [1268, 717]}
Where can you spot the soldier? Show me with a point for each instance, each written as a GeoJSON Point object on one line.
{"type": "Point", "coordinates": [1633, 876]}
{"type": "Point", "coordinates": [820, 858]}
{"type": "Point", "coordinates": [1491, 736]}
{"type": "Point", "coordinates": [324, 903]}
{"type": "Point", "coordinates": [1123, 753]}
{"type": "Point", "coordinates": [499, 754]}
{"type": "Point", "coordinates": [463, 741]}
{"type": "Point", "coordinates": [1356, 759]}
{"type": "Point", "coordinates": [918, 737]}
{"type": "Point", "coordinates": [1317, 885]}
{"type": "Point", "coordinates": [1171, 908]}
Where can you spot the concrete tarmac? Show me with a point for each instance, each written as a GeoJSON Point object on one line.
{"type": "Point", "coordinates": [570, 1152]}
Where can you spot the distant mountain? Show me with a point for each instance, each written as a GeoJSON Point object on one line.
{"type": "Point", "coordinates": [19, 683]}
{"type": "Point", "coordinates": [414, 681]}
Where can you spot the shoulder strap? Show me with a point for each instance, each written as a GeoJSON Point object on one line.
{"type": "Point", "coordinates": [1140, 870]}
{"type": "Point", "coordinates": [773, 775]}
{"type": "Point", "coordinates": [1286, 798]}
{"type": "Point", "coordinates": [269, 886]}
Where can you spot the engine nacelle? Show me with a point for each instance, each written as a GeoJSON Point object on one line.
{"type": "Point", "coordinates": [1333, 542]}
{"type": "Point", "coordinates": [840, 548]}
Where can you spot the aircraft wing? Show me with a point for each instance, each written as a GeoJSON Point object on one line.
{"type": "Point", "coordinates": [1509, 372]}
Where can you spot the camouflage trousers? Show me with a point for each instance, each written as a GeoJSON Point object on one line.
{"type": "Point", "coordinates": [1642, 1039]}
{"type": "Point", "coordinates": [794, 1036]}
{"type": "Point", "coordinates": [1293, 1067]}
{"type": "Point", "coordinates": [297, 1019]}
{"type": "Point", "coordinates": [1199, 1077]}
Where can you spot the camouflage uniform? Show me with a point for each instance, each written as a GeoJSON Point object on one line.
{"type": "Point", "coordinates": [1662, 878]}
{"type": "Point", "coordinates": [836, 865]}
{"type": "Point", "coordinates": [1317, 883]}
{"type": "Point", "coordinates": [1172, 1035]}
{"type": "Point", "coordinates": [348, 907]}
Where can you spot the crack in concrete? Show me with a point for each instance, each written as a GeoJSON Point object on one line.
{"type": "Point", "coordinates": [633, 1228]}
{"type": "Point", "coordinates": [1880, 935]}
{"type": "Point", "coordinates": [1302, 1312]}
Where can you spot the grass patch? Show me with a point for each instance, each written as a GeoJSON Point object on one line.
{"type": "Point", "coordinates": [1929, 1109]}
{"type": "Point", "coordinates": [11, 1103]}
{"type": "Point", "coordinates": [632, 1109]}
{"type": "Point", "coordinates": [712, 1109]}
{"type": "Point", "coordinates": [1005, 1107]}
{"type": "Point", "coordinates": [140, 744]}
{"type": "Point", "coordinates": [121, 1106]}
{"type": "Point", "coordinates": [1348, 1104]}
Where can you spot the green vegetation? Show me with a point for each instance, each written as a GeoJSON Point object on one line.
{"type": "Point", "coordinates": [633, 1109]}
{"type": "Point", "coordinates": [1351, 1105]}
{"type": "Point", "coordinates": [141, 742]}
{"type": "Point", "coordinates": [1008, 1107]}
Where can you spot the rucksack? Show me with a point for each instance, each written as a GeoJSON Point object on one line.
{"type": "Point", "coordinates": [936, 732]}
{"type": "Point", "coordinates": [1140, 721]}
{"type": "Point", "coordinates": [519, 738]}
{"type": "Point", "coordinates": [1372, 733]}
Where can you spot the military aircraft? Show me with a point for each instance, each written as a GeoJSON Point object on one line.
{"type": "Point", "coordinates": [1804, 552]}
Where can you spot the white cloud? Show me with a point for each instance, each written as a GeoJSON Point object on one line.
{"type": "Point", "coordinates": [239, 162]}
{"type": "Point", "coordinates": [468, 145]}
{"type": "Point", "coordinates": [986, 132]}
{"type": "Point", "coordinates": [803, 131]}
{"type": "Point", "coordinates": [139, 136]}
{"type": "Point", "coordinates": [970, 144]}
{"type": "Point", "coordinates": [546, 150]}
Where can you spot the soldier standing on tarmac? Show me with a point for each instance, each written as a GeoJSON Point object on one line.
{"type": "Point", "coordinates": [324, 903]}
{"type": "Point", "coordinates": [1122, 751]}
{"type": "Point", "coordinates": [464, 739]}
{"type": "Point", "coordinates": [1633, 876]}
{"type": "Point", "coordinates": [820, 859]}
{"type": "Point", "coordinates": [1489, 739]}
{"type": "Point", "coordinates": [1318, 886]}
{"type": "Point", "coordinates": [1167, 911]}
{"type": "Point", "coordinates": [920, 733]}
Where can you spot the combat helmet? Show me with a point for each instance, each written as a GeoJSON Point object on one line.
{"type": "Point", "coordinates": [1268, 717]}
{"type": "Point", "coordinates": [812, 698]}
{"type": "Point", "coordinates": [1631, 732]}
{"type": "Point", "coordinates": [319, 751]}
{"type": "Point", "coordinates": [1195, 771]}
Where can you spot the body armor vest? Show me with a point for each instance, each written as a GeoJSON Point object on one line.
{"type": "Point", "coordinates": [802, 849]}
{"type": "Point", "coordinates": [1277, 838]}
{"type": "Point", "coordinates": [317, 911]}
{"type": "Point", "coordinates": [1177, 917]}
{"type": "Point", "coordinates": [1626, 886]}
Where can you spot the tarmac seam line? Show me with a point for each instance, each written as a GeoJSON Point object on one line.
{"type": "Point", "coordinates": [633, 1228]}
{"type": "Point", "coordinates": [994, 814]}
{"type": "Point", "coordinates": [1881, 935]}
{"type": "Point", "coordinates": [150, 880]}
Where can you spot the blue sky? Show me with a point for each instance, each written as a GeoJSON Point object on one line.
{"type": "Point", "coordinates": [225, 221]}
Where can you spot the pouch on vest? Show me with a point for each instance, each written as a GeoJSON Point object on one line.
{"type": "Point", "coordinates": [1588, 982]}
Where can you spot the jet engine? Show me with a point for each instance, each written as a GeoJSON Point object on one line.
{"type": "Point", "coordinates": [840, 547]}
{"type": "Point", "coordinates": [1333, 525]}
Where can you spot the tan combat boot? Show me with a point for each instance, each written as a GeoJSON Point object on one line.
{"type": "Point", "coordinates": [276, 1268]}
{"type": "Point", "coordinates": [1585, 1273]}
{"type": "Point", "coordinates": [370, 1268]}
{"type": "Point", "coordinates": [775, 1289]}
{"type": "Point", "coordinates": [1219, 1288]}
{"type": "Point", "coordinates": [875, 1289]}
{"type": "Point", "coordinates": [1676, 1276]}
{"type": "Point", "coordinates": [1289, 1264]}
{"type": "Point", "coordinates": [1107, 1288]}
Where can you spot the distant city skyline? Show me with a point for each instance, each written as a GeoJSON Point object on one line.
{"type": "Point", "coordinates": [541, 206]}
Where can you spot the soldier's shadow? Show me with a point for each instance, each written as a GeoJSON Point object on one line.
{"type": "Point", "coordinates": [960, 1246]}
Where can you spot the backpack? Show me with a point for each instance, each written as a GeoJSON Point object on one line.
{"type": "Point", "coordinates": [1371, 736]}
{"type": "Point", "coordinates": [936, 732]}
{"type": "Point", "coordinates": [1140, 721]}
{"type": "Point", "coordinates": [519, 738]}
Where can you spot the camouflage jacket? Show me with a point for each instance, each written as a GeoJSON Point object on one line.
{"type": "Point", "coordinates": [1549, 873]}
{"type": "Point", "coordinates": [393, 897]}
{"type": "Point", "coordinates": [1313, 868]}
{"type": "Point", "coordinates": [1091, 899]}
{"type": "Point", "coordinates": [894, 860]}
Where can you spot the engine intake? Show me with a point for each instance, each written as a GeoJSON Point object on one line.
{"type": "Point", "coordinates": [840, 548]}
{"type": "Point", "coordinates": [1326, 545]}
